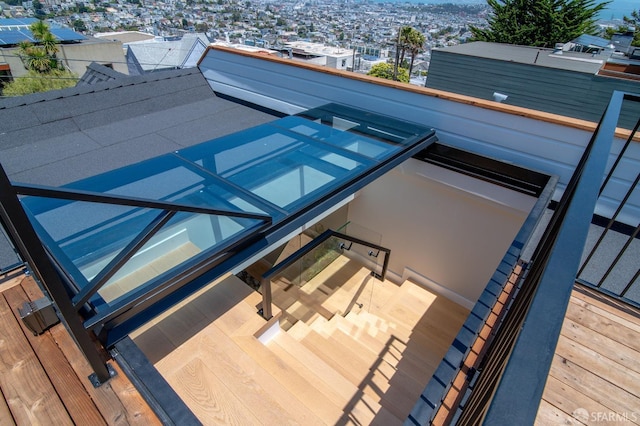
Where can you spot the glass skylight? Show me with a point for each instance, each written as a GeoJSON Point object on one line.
{"type": "Point", "coordinates": [244, 185]}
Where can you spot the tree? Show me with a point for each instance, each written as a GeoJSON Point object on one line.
{"type": "Point", "coordinates": [408, 40]}
{"type": "Point", "coordinates": [541, 23]}
{"type": "Point", "coordinates": [386, 70]}
{"type": "Point", "coordinates": [79, 26]}
{"type": "Point", "coordinates": [35, 82]}
{"type": "Point", "coordinates": [40, 57]}
{"type": "Point", "coordinates": [415, 44]}
{"type": "Point", "coordinates": [630, 22]}
{"type": "Point", "coordinates": [45, 72]}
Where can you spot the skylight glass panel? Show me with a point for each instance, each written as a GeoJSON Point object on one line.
{"type": "Point", "coordinates": [192, 206]}
{"type": "Point", "coordinates": [283, 167]}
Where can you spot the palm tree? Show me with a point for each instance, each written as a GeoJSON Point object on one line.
{"type": "Point", "coordinates": [40, 57]}
{"type": "Point", "coordinates": [34, 58]}
{"type": "Point", "coordinates": [416, 42]}
{"type": "Point", "coordinates": [404, 41]}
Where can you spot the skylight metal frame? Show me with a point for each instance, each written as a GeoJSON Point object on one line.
{"type": "Point", "coordinates": [74, 294]}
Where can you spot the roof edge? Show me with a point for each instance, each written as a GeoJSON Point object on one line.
{"type": "Point", "coordinates": [589, 126]}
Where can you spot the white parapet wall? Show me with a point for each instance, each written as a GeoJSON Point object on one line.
{"type": "Point", "coordinates": [540, 141]}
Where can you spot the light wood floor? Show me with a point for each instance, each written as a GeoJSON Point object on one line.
{"type": "Point", "coordinates": [595, 375]}
{"type": "Point", "coordinates": [366, 367]}
{"type": "Point", "coordinates": [43, 379]}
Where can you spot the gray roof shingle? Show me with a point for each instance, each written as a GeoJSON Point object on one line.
{"type": "Point", "coordinates": [61, 136]}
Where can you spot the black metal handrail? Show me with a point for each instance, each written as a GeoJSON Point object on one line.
{"type": "Point", "coordinates": [610, 227]}
{"type": "Point", "coordinates": [265, 280]}
{"type": "Point", "coordinates": [514, 370]}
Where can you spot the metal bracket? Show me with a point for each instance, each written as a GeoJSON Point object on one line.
{"type": "Point", "coordinates": [343, 246]}
{"type": "Point", "coordinates": [93, 378]}
{"type": "Point", "coordinates": [38, 315]}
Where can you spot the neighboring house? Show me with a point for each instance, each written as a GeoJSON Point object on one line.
{"type": "Point", "coordinates": [319, 54]}
{"type": "Point", "coordinates": [553, 80]}
{"type": "Point", "coordinates": [126, 37]}
{"type": "Point", "coordinates": [76, 50]}
{"type": "Point", "coordinates": [160, 54]}
{"type": "Point", "coordinates": [175, 179]}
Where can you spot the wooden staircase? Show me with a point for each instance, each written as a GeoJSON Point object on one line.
{"type": "Point", "coordinates": [367, 367]}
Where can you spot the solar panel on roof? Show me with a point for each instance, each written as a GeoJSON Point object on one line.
{"type": "Point", "coordinates": [13, 37]}
{"type": "Point", "coordinates": [65, 34]}
{"type": "Point", "coordinates": [24, 22]}
{"type": "Point", "coordinates": [16, 36]}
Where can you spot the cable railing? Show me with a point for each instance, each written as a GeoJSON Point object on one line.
{"type": "Point", "coordinates": [511, 375]}
{"type": "Point", "coordinates": [610, 265]}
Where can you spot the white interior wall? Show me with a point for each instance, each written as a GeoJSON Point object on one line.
{"type": "Point", "coordinates": [452, 234]}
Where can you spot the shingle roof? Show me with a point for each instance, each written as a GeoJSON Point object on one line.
{"type": "Point", "coordinates": [97, 73]}
{"type": "Point", "coordinates": [61, 136]}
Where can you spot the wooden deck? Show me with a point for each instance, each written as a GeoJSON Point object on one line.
{"type": "Point", "coordinates": [595, 375]}
{"type": "Point", "coordinates": [43, 378]}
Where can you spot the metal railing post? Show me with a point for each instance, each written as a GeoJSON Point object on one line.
{"type": "Point", "coordinates": [266, 298]}
{"type": "Point", "coordinates": [31, 249]}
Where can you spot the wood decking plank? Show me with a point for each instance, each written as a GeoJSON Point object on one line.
{"type": "Point", "coordinates": [593, 386]}
{"type": "Point", "coordinates": [30, 395]}
{"type": "Point", "coordinates": [138, 411]}
{"type": "Point", "coordinates": [602, 366]}
{"type": "Point", "coordinates": [111, 407]}
{"type": "Point", "coordinates": [6, 282]}
{"type": "Point", "coordinates": [612, 349]}
{"type": "Point", "coordinates": [76, 400]}
{"type": "Point", "coordinates": [550, 415]}
{"type": "Point", "coordinates": [595, 369]}
{"type": "Point", "coordinates": [114, 410]}
{"type": "Point", "coordinates": [571, 401]}
{"type": "Point", "coordinates": [6, 419]}
{"type": "Point", "coordinates": [604, 303]}
{"type": "Point", "coordinates": [629, 317]}
{"type": "Point", "coordinates": [622, 332]}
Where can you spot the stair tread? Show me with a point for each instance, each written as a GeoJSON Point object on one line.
{"type": "Point", "coordinates": [348, 363]}
{"type": "Point", "coordinates": [235, 372]}
{"type": "Point", "coordinates": [309, 396]}
{"type": "Point", "coordinates": [342, 392]}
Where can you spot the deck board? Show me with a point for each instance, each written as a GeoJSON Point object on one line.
{"type": "Point", "coordinates": [594, 377]}
{"type": "Point", "coordinates": [78, 403]}
{"type": "Point", "coordinates": [44, 379]}
{"type": "Point", "coordinates": [25, 385]}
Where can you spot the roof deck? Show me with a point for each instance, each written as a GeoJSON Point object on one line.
{"type": "Point", "coordinates": [595, 373]}
{"type": "Point", "coordinates": [537, 140]}
{"type": "Point", "coordinates": [43, 378]}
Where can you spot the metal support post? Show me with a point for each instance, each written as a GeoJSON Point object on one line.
{"type": "Point", "coordinates": [266, 298]}
{"type": "Point", "coordinates": [30, 247]}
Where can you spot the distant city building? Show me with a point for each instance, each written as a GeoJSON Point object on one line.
{"type": "Point", "coordinates": [161, 53]}
{"type": "Point", "coordinates": [319, 54]}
